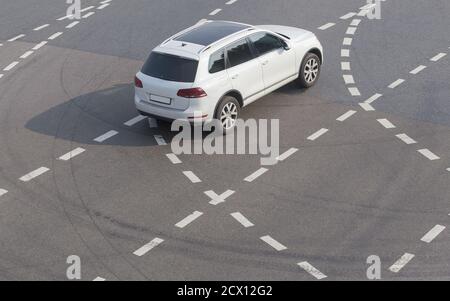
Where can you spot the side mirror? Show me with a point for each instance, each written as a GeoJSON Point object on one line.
{"type": "Point", "coordinates": [286, 46]}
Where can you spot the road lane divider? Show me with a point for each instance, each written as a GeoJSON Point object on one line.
{"type": "Point", "coordinates": [72, 154]}
{"type": "Point", "coordinates": [256, 175]}
{"type": "Point", "coordinates": [273, 243]}
{"type": "Point", "coordinates": [173, 158]}
{"type": "Point", "coordinates": [146, 248]}
{"type": "Point", "coordinates": [433, 233]}
{"type": "Point", "coordinates": [428, 154]}
{"type": "Point", "coordinates": [242, 219]}
{"type": "Point", "coordinates": [192, 177]}
{"type": "Point", "coordinates": [106, 136]}
{"type": "Point", "coordinates": [312, 270]}
{"type": "Point", "coordinates": [34, 174]}
{"type": "Point", "coordinates": [189, 219]}
{"type": "Point", "coordinates": [401, 263]}
{"type": "Point", "coordinates": [317, 134]}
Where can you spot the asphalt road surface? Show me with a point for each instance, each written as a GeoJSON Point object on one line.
{"type": "Point", "coordinates": [365, 171]}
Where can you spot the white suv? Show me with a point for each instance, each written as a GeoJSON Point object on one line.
{"type": "Point", "coordinates": [218, 67]}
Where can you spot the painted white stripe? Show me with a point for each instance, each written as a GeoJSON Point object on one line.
{"type": "Point", "coordinates": [346, 116]}
{"type": "Point", "coordinates": [41, 27]}
{"type": "Point", "coordinates": [386, 123]}
{"type": "Point", "coordinates": [355, 22]}
{"type": "Point", "coordinates": [34, 174]}
{"type": "Point", "coordinates": [218, 199]}
{"type": "Point", "coordinates": [103, 6]}
{"type": "Point", "coordinates": [345, 66]}
{"type": "Point", "coordinates": [231, 2]}
{"type": "Point", "coordinates": [351, 30]}
{"type": "Point", "coordinates": [365, 11]}
{"type": "Point", "coordinates": [242, 219]}
{"type": "Point", "coordinates": [367, 6]}
{"type": "Point", "coordinates": [348, 79]}
{"type": "Point", "coordinates": [1, 75]}
{"type": "Point", "coordinates": [418, 69]}
{"type": "Point", "coordinates": [72, 154]}
{"type": "Point", "coordinates": [438, 57]}
{"type": "Point", "coordinates": [399, 264]}
{"type": "Point", "coordinates": [135, 120]}
{"type": "Point", "coordinates": [26, 54]}
{"type": "Point", "coordinates": [273, 243]}
{"type": "Point", "coordinates": [105, 136]}
{"type": "Point", "coordinates": [65, 17]}
{"type": "Point", "coordinates": [347, 16]}
{"type": "Point", "coordinates": [326, 26]}
{"type": "Point", "coordinates": [55, 35]}
{"type": "Point", "coordinates": [345, 52]}
{"type": "Point", "coordinates": [88, 15]}
{"type": "Point", "coordinates": [99, 279]}
{"type": "Point", "coordinates": [3, 192]}
{"type": "Point", "coordinates": [192, 177]}
{"type": "Point", "coordinates": [189, 219]}
{"type": "Point", "coordinates": [215, 12]}
{"type": "Point", "coordinates": [311, 270]}
{"type": "Point", "coordinates": [367, 107]}
{"type": "Point", "coordinates": [10, 66]}
{"type": "Point", "coordinates": [433, 233]}
{"type": "Point", "coordinates": [428, 154]}
{"type": "Point", "coordinates": [317, 134]}
{"type": "Point", "coordinates": [160, 140]}
{"type": "Point", "coordinates": [256, 174]}
{"type": "Point", "coordinates": [405, 138]}
{"type": "Point", "coordinates": [86, 9]}
{"type": "Point", "coordinates": [354, 91]}
{"type": "Point", "coordinates": [146, 248]}
{"type": "Point", "coordinates": [287, 154]}
{"type": "Point", "coordinates": [41, 44]}
{"type": "Point", "coordinates": [347, 41]}
{"type": "Point", "coordinates": [72, 24]}
{"type": "Point", "coordinates": [16, 38]}
{"type": "Point", "coordinates": [373, 98]}
{"type": "Point", "coordinates": [397, 83]}
{"type": "Point", "coordinates": [105, 1]}
{"type": "Point", "coordinates": [173, 158]}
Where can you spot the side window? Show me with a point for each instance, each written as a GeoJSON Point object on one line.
{"type": "Point", "coordinates": [239, 53]}
{"type": "Point", "coordinates": [217, 61]}
{"type": "Point", "coordinates": [264, 42]}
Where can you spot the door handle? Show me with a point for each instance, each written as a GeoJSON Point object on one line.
{"type": "Point", "coordinates": [265, 62]}
{"type": "Point", "coordinates": [235, 76]}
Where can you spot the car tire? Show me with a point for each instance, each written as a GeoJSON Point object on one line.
{"type": "Point", "coordinates": [227, 113]}
{"type": "Point", "coordinates": [309, 70]}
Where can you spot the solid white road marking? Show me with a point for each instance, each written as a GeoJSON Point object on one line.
{"type": "Point", "coordinates": [218, 199]}
{"type": "Point", "coordinates": [367, 107]}
{"type": "Point", "coordinates": [433, 233]}
{"type": "Point", "coordinates": [173, 158]}
{"type": "Point", "coordinates": [192, 177]}
{"type": "Point", "coordinates": [347, 16]}
{"type": "Point", "coordinates": [39, 45]}
{"type": "Point", "coordinates": [26, 54]}
{"type": "Point", "coordinates": [397, 83]}
{"type": "Point", "coordinates": [348, 79]}
{"type": "Point", "coordinates": [88, 15]}
{"type": "Point", "coordinates": [72, 154]}
{"type": "Point", "coordinates": [3, 192]}
{"type": "Point", "coordinates": [10, 66]}
{"type": "Point", "coordinates": [99, 279]}
{"type": "Point", "coordinates": [231, 2]}
{"type": "Point", "coordinates": [189, 219]}
{"type": "Point", "coordinates": [146, 248]}
{"type": "Point", "coordinates": [86, 9]}
{"type": "Point", "coordinates": [311, 270]}
{"type": "Point", "coordinates": [418, 69]}
{"type": "Point", "coordinates": [215, 12]}
{"type": "Point", "coordinates": [438, 57]}
{"type": "Point", "coordinates": [345, 66]}
{"type": "Point", "coordinates": [373, 98]}
{"type": "Point", "coordinates": [287, 154]}
{"type": "Point", "coordinates": [354, 91]}
{"type": "Point", "coordinates": [103, 6]}
{"type": "Point", "coordinates": [41, 27]}
{"type": "Point", "coordinates": [347, 41]}
{"type": "Point", "coordinates": [346, 116]}
{"type": "Point", "coordinates": [160, 140]}
{"type": "Point", "coordinates": [34, 174]}
{"type": "Point", "coordinates": [326, 26]}
{"type": "Point", "coordinates": [399, 264]}
{"type": "Point", "coordinates": [106, 136]}
{"type": "Point", "coordinates": [242, 219]}
{"type": "Point", "coordinates": [256, 174]}
{"type": "Point", "coordinates": [55, 35]}
{"type": "Point", "coordinates": [386, 123]}
{"type": "Point", "coordinates": [351, 30]}
{"type": "Point", "coordinates": [405, 138]}
{"type": "Point", "coordinates": [135, 120]}
{"type": "Point", "coordinates": [355, 22]}
{"type": "Point", "coordinates": [16, 38]}
{"type": "Point", "coordinates": [345, 52]}
{"type": "Point", "coordinates": [317, 134]}
{"type": "Point", "coordinates": [273, 243]}
{"type": "Point", "coordinates": [72, 24]}
{"type": "Point", "coordinates": [428, 154]}
{"type": "Point", "coordinates": [1, 75]}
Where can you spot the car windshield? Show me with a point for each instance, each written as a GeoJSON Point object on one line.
{"type": "Point", "coordinates": [170, 67]}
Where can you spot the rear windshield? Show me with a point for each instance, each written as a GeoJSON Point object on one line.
{"type": "Point", "coordinates": [170, 67]}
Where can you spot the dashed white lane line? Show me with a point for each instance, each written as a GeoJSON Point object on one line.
{"type": "Point", "coordinates": [105, 1]}
{"type": "Point", "coordinates": [3, 191]}
{"type": "Point", "coordinates": [345, 66]}
{"type": "Point", "coordinates": [256, 175]}
{"type": "Point", "coordinates": [354, 91]}
{"type": "Point", "coordinates": [405, 138]}
{"type": "Point", "coordinates": [26, 54]}
{"type": "Point", "coordinates": [432, 234]}
{"type": "Point", "coordinates": [160, 140]}
{"type": "Point", "coordinates": [373, 98]}
{"type": "Point", "coordinates": [103, 6]}
{"type": "Point", "coordinates": [366, 106]}
{"type": "Point", "coordinates": [146, 248]}
{"type": "Point", "coordinates": [326, 26]}
{"type": "Point", "coordinates": [400, 264]}
{"type": "Point", "coordinates": [72, 154]}
{"type": "Point", "coordinates": [189, 219]}
{"type": "Point", "coordinates": [173, 158]}
{"type": "Point", "coordinates": [87, 8]}
{"type": "Point", "coordinates": [10, 66]}
{"type": "Point", "coordinates": [242, 219]}
{"type": "Point", "coordinates": [135, 120]}
{"type": "Point", "coordinates": [192, 176]}
{"type": "Point", "coordinates": [397, 83]}
{"type": "Point", "coordinates": [273, 243]}
{"type": "Point", "coordinates": [215, 12]}
{"type": "Point", "coordinates": [348, 79]}
{"type": "Point", "coordinates": [355, 22]}
{"type": "Point", "coordinates": [418, 69]}
{"type": "Point", "coordinates": [41, 27]}
{"type": "Point", "coordinates": [39, 45]}
{"type": "Point", "coordinates": [312, 270]}
{"type": "Point", "coordinates": [16, 38]}
{"type": "Point", "coordinates": [72, 24]}
{"type": "Point", "coordinates": [428, 154]}
{"type": "Point", "coordinates": [347, 41]}
{"type": "Point", "coordinates": [346, 116]}
{"type": "Point", "coordinates": [1, 75]}
{"type": "Point", "coordinates": [99, 279]}
{"type": "Point", "coordinates": [88, 15]}
{"type": "Point", "coordinates": [287, 154]}
{"type": "Point", "coordinates": [34, 174]}
{"type": "Point", "coordinates": [386, 123]}
{"type": "Point", "coordinates": [351, 30]}
{"type": "Point", "coordinates": [347, 16]}
{"type": "Point", "coordinates": [65, 17]}
{"type": "Point", "coordinates": [231, 2]}
{"type": "Point", "coordinates": [105, 136]}
{"type": "Point", "coordinates": [317, 134]}
{"type": "Point", "coordinates": [438, 57]}
{"type": "Point", "coordinates": [218, 199]}
{"type": "Point", "coordinates": [55, 35]}
{"type": "Point", "coordinates": [345, 52]}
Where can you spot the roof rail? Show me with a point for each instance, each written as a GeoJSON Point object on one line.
{"type": "Point", "coordinates": [231, 35]}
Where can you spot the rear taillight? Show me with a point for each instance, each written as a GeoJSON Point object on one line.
{"type": "Point", "coordinates": [138, 82]}
{"type": "Point", "coordinates": [192, 93]}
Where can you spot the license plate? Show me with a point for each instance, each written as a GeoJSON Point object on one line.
{"type": "Point", "coordinates": [161, 99]}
